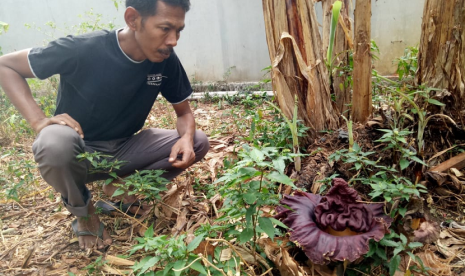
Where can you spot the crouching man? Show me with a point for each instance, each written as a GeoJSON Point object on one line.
{"type": "Point", "coordinates": [109, 81]}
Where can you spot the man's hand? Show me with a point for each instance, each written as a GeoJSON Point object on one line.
{"type": "Point", "coordinates": [183, 147]}
{"type": "Point", "coordinates": [61, 119]}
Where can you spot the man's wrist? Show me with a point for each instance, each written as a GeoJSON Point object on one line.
{"type": "Point", "coordinates": [38, 125]}
{"type": "Point", "coordinates": [189, 138]}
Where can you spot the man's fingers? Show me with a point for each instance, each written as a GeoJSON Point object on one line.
{"type": "Point", "coordinates": [66, 120]}
{"type": "Point", "coordinates": [173, 156]}
{"type": "Point", "coordinates": [186, 161]}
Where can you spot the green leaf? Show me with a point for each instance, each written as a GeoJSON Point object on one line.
{"type": "Point", "coordinates": [267, 226]}
{"type": "Point", "coordinates": [393, 265]}
{"type": "Point", "coordinates": [248, 171]}
{"type": "Point", "coordinates": [4, 26]}
{"type": "Point", "coordinates": [277, 222]}
{"type": "Point", "coordinates": [248, 215]}
{"type": "Point", "coordinates": [397, 250]}
{"type": "Point", "coordinates": [411, 255]}
{"type": "Point", "coordinates": [435, 102]}
{"type": "Point", "coordinates": [118, 192]}
{"type": "Point", "coordinates": [246, 235]}
{"type": "Point", "coordinates": [178, 265]}
{"type": "Point", "coordinates": [195, 243]}
{"type": "Point", "coordinates": [403, 164]}
{"type": "Point", "coordinates": [168, 268]}
{"type": "Point", "coordinates": [249, 198]}
{"type": "Point", "coordinates": [257, 155]}
{"type": "Point", "coordinates": [416, 159]}
{"type": "Point", "coordinates": [199, 267]}
{"type": "Point", "coordinates": [145, 264]}
{"type": "Point", "coordinates": [279, 165]}
{"type": "Point", "coordinates": [280, 178]}
{"type": "Point", "coordinates": [372, 250]}
{"type": "Point", "coordinates": [149, 232]}
{"type": "Point", "coordinates": [402, 211]}
{"type": "Point", "coordinates": [381, 253]}
{"type": "Point", "coordinates": [414, 245]}
{"type": "Point", "coordinates": [388, 243]}
{"type": "Point", "coordinates": [410, 191]}
{"type": "Point", "coordinates": [403, 238]}
{"type": "Point", "coordinates": [334, 20]}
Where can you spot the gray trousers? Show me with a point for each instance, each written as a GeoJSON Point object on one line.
{"type": "Point", "coordinates": [56, 147]}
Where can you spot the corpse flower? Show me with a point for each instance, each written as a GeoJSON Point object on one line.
{"type": "Point", "coordinates": [335, 227]}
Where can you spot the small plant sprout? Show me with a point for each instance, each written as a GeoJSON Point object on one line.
{"type": "Point", "coordinates": [3, 27]}
{"type": "Point", "coordinates": [293, 127]}
{"type": "Point", "coordinates": [350, 131]}
{"type": "Point", "coordinates": [332, 36]}
{"type": "Point", "coordinates": [422, 118]}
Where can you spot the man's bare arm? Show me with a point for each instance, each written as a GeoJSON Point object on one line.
{"type": "Point", "coordinates": [186, 129]}
{"type": "Point", "coordinates": [14, 69]}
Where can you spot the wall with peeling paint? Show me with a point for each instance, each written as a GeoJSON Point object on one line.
{"type": "Point", "coordinates": [223, 40]}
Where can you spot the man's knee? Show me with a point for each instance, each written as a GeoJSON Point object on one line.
{"type": "Point", "coordinates": [201, 144]}
{"type": "Point", "coordinates": [57, 145]}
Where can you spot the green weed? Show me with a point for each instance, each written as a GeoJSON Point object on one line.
{"type": "Point", "coordinates": [408, 63]}
{"type": "Point", "coordinates": [169, 255]}
{"type": "Point", "coordinates": [3, 29]}
{"type": "Point", "coordinates": [17, 174]}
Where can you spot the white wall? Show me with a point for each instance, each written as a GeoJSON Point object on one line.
{"type": "Point", "coordinates": [395, 25]}
{"type": "Point", "coordinates": [219, 34]}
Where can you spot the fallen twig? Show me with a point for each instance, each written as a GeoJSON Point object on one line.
{"type": "Point", "coordinates": [26, 210]}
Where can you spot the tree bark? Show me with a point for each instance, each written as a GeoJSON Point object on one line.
{"type": "Point", "coordinates": [297, 57]}
{"type": "Point", "coordinates": [361, 98]}
{"type": "Point", "coordinates": [441, 56]}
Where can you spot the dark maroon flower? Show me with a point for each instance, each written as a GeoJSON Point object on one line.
{"type": "Point", "coordinates": [320, 224]}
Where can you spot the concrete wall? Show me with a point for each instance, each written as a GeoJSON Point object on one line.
{"type": "Point", "coordinates": [396, 24]}
{"type": "Point", "coordinates": [223, 39]}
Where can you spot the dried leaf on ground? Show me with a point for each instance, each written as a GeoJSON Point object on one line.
{"type": "Point", "coordinates": [181, 222]}
{"type": "Point", "coordinates": [205, 248]}
{"type": "Point", "coordinates": [452, 241]}
{"type": "Point", "coordinates": [172, 201]}
{"type": "Point", "coordinates": [283, 261]}
{"type": "Point", "coordinates": [112, 260]}
{"type": "Point", "coordinates": [427, 233]}
{"type": "Point", "coordinates": [437, 266]}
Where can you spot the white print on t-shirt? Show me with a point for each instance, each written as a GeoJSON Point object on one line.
{"type": "Point", "coordinates": [155, 79]}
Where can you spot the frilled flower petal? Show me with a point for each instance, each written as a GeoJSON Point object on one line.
{"type": "Point", "coordinates": [321, 247]}
{"type": "Point", "coordinates": [339, 209]}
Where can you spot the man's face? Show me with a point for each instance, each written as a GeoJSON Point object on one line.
{"type": "Point", "coordinates": [159, 34]}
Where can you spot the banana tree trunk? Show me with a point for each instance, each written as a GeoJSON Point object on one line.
{"type": "Point", "coordinates": [362, 98]}
{"type": "Point", "coordinates": [343, 43]}
{"type": "Point", "coordinates": [441, 57]}
{"type": "Point", "coordinates": [297, 58]}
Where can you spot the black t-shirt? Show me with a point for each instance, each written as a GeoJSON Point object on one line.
{"type": "Point", "coordinates": [109, 94]}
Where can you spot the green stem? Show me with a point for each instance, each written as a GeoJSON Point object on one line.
{"type": "Point", "coordinates": [386, 79]}
{"type": "Point", "coordinates": [254, 221]}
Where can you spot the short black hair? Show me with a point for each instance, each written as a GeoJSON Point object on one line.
{"type": "Point", "coordinates": [149, 7]}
